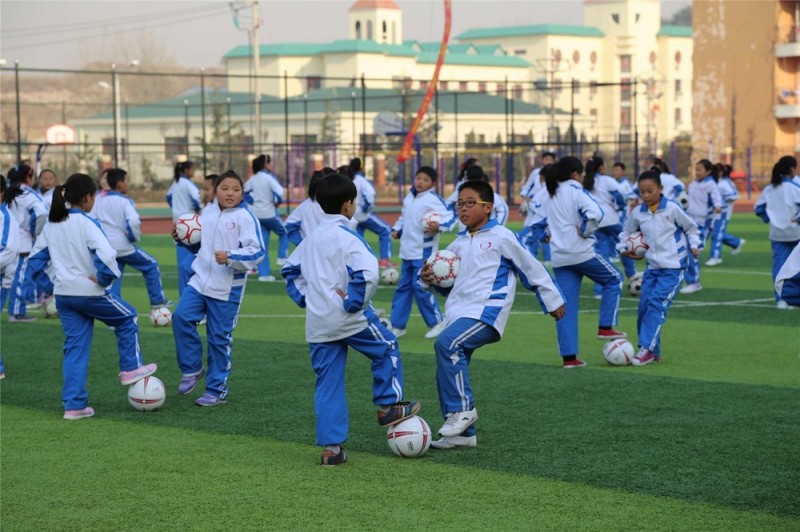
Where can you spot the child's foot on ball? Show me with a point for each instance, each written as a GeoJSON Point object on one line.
{"type": "Point", "coordinates": [393, 414]}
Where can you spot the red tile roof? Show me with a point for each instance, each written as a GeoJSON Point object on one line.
{"type": "Point", "coordinates": [374, 4]}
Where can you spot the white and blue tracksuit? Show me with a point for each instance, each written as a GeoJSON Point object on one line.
{"type": "Point", "coordinates": [779, 206]}
{"type": "Point", "coordinates": [610, 195]}
{"type": "Point", "coordinates": [123, 227]}
{"type": "Point", "coordinates": [81, 263]}
{"type": "Point", "coordinates": [787, 282]}
{"type": "Point", "coordinates": [367, 219]}
{"type": "Point", "coordinates": [265, 194]}
{"type": "Point", "coordinates": [216, 292]}
{"type": "Point", "coordinates": [183, 197]}
{"type": "Point", "coordinates": [628, 264]}
{"type": "Point", "coordinates": [28, 209]}
{"type": "Point", "coordinates": [572, 218]}
{"type": "Point", "coordinates": [666, 231]}
{"type": "Point", "coordinates": [534, 230]}
{"type": "Point", "coordinates": [704, 197]}
{"type": "Point", "coordinates": [302, 220]}
{"type": "Point", "coordinates": [720, 234]}
{"type": "Point", "coordinates": [9, 251]}
{"type": "Point", "coordinates": [415, 248]}
{"type": "Point", "coordinates": [479, 303]}
{"type": "Point", "coordinates": [334, 258]}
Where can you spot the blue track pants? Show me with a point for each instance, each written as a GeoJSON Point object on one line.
{"type": "Point", "coordinates": [407, 289]}
{"type": "Point", "coordinates": [659, 287]}
{"type": "Point", "coordinates": [384, 232]}
{"type": "Point", "coordinates": [272, 225]}
{"type": "Point", "coordinates": [148, 266]}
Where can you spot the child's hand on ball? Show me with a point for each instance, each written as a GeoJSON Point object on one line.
{"type": "Point", "coordinates": [175, 232]}
{"type": "Point", "coordinates": [426, 274]}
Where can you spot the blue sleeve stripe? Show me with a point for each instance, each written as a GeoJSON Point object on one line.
{"type": "Point", "coordinates": [32, 221]}
{"type": "Point", "coordinates": [356, 291]}
{"type": "Point", "coordinates": [129, 231]}
{"type": "Point", "coordinates": [242, 258]}
{"type": "Point", "coordinates": [38, 262]}
{"type": "Point", "coordinates": [169, 200]}
{"type": "Point", "coordinates": [6, 227]}
{"type": "Point", "coordinates": [105, 276]}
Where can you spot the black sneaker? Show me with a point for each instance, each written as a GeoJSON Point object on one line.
{"type": "Point", "coordinates": [329, 458]}
{"type": "Point", "coordinates": [397, 413]}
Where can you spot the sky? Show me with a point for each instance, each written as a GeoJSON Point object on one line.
{"type": "Point", "coordinates": [70, 33]}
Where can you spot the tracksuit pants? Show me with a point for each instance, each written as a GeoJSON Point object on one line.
{"type": "Point", "coordinates": [384, 232]}
{"type": "Point", "coordinates": [780, 253]}
{"type": "Point", "coordinates": [454, 348]}
{"type": "Point", "coordinates": [221, 319]}
{"type": "Point", "coordinates": [77, 314]}
{"type": "Point", "coordinates": [532, 236]}
{"type": "Point", "coordinates": [659, 287]}
{"type": "Point", "coordinates": [185, 259]}
{"type": "Point", "coordinates": [272, 225]}
{"type": "Point", "coordinates": [720, 236]}
{"type": "Point", "coordinates": [328, 359]}
{"type": "Point", "coordinates": [18, 294]}
{"type": "Point", "coordinates": [569, 279]}
{"type": "Point", "coordinates": [606, 247]}
{"type": "Point", "coordinates": [148, 266]}
{"type": "Point", "coordinates": [693, 269]}
{"type": "Point", "coordinates": [409, 288]}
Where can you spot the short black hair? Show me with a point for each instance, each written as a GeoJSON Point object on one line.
{"type": "Point", "coordinates": [333, 191]}
{"type": "Point", "coordinates": [114, 176]}
{"type": "Point", "coordinates": [211, 177]}
{"type": "Point", "coordinates": [484, 189]}
{"type": "Point", "coordinates": [475, 172]}
{"type": "Point", "coordinates": [428, 171]}
{"type": "Point", "coordinates": [619, 165]}
{"type": "Point", "coordinates": [549, 154]}
{"type": "Point", "coordinates": [652, 175]}
{"type": "Point", "coordinates": [225, 175]}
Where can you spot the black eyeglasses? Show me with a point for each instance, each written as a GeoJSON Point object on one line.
{"type": "Point", "coordinates": [470, 203]}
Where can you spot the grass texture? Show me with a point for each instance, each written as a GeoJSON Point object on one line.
{"type": "Point", "coordinates": [705, 440]}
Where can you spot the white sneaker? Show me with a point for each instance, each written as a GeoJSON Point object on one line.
{"type": "Point", "coordinates": [458, 422]}
{"type": "Point", "coordinates": [398, 332]}
{"type": "Point", "coordinates": [266, 278]}
{"type": "Point", "coordinates": [783, 305]}
{"type": "Point", "coordinates": [691, 288]}
{"type": "Point", "coordinates": [713, 262]}
{"type": "Point", "coordinates": [455, 441]}
{"type": "Point", "coordinates": [738, 248]}
{"type": "Point", "coordinates": [436, 330]}
{"type": "Point", "coordinates": [280, 262]}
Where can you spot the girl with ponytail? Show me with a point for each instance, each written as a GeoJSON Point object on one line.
{"type": "Point", "coordinates": [81, 263]}
{"type": "Point", "coordinates": [779, 206]}
{"type": "Point", "coordinates": [265, 194]}
{"type": "Point", "coordinates": [183, 197]}
{"type": "Point", "coordinates": [28, 208]}
{"type": "Point", "coordinates": [705, 205]}
{"type": "Point", "coordinates": [572, 218]}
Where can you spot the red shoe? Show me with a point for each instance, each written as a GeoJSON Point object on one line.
{"type": "Point", "coordinates": [610, 334]}
{"type": "Point", "coordinates": [384, 263]}
{"type": "Point", "coordinates": [577, 363]}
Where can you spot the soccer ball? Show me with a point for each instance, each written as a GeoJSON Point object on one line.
{"type": "Point", "coordinates": [618, 352]}
{"type": "Point", "coordinates": [683, 199]}
{"type": "Point", "coordinates": [147, 394]}
{"type": "Point", "coordinates": [445, 265]}
{"type": "Point", "coordinates": [429, 218]}
{"type": "Point", "coordinates": [636, 244]}
{"type": "Point", "coordinates": [49, 307]}
{"type": "Point", "coordinates": [410, 438]}
{"type": "Point", "coordinates": [188, 229]}
{"type": "Point", "coordinates": [635, 284]}
{"type": "Point", "coordinates": [389, 276]}
{"type": "Point", "coordinates": [161, 317]}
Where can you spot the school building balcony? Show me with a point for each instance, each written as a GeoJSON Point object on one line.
{"type": "Point", "coordinates": [788, 104]}
{"type": "Point", "coordinates": [788, 44]}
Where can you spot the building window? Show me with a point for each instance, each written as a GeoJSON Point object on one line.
{"type": "Point", "coordinates": [615, 18]}
{"type": "Point", "coordinates": [500, 89]}
{"type": "Point", "coordinates": [174, 146]}
{"type": "Point", "coordinates": [517, 91]}
{"type": "Point", "coordinates": [442, 85]}
{"type": "Point", "coordinates": [107, 146]}
{"type": "Point", "coordinates": [625, 64]}
{"type": "Point", "coordinates": [385, 31]}
{"type": "Point", "coordinates": [369, 30]}
{"type": "Point", "coordinates": [678, 118]}
{"type": "Point", "coordinates": [481, 86]}
{"type": "Point", "coordinates": [678, 88]}
{"type": "Point", "coordinates": [463, 86]}
{"type": "Point", "coordinates": [625, 117]}
{"type": "Point", "coordinates": [313, 83]}
{"type": "Point", "coordinates": [592, 88]}
{"type": "Point", "coordinates": [423, 85]}
{"type": "Point", "coordinates": [593, 113]}
{"type": "Point", "coordinates": [358, 29]}
{"type": "Point", "coordinates": [576, 87]}
{"type": "Point", "coordinates": [557, 86]}
{"type": "Point", "coordinates": [520, 51]}
{"type": "Point", "coordinates": [625, 90]}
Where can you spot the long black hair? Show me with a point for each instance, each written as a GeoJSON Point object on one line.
{"type": "Point", "coordinates": [355, 165]}
{"type": "Point", "coordinates": [77, 187]}
{"type": "Point", "coordinates": [182, 169]}
{"type": "Point", "coordinates": [783, 168]}
{"type": "Point", "coordinates": [562, 171]}
{"type": "Point", "coordinates": [316, 177]}
{"type": "Point", "coordinates": [710, 167]}
{"type": "Point", "coordinates": [17, 176]}
{"type": "Point", "coordinates": [593, 165]}
{"type": "Point", "coordinates": [260, 162]}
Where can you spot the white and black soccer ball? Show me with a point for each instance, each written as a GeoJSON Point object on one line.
{"type": "Point", "coordinates": [635, 284]}
{"type": "Point", "coordinates": [389, 276]}
{"type": "Point", "coordinates": [445, 265]}
{"type": "Point", "coordinates": [618, 352]}
{"type": "Point", "coordinates": [160, 317]}
{"type": "Point", "coordinates": [683, 199]}
{"type": "Point", "coordinates": [188, 229]}
{"type": "Point", "coordinates": [410, 438]}
{"type": "Point", "coordinates": [147, 394]}
{"type": "Point", "coordinates": [429, 218]}
{"type": "Point", "coordinates": [49, 307]}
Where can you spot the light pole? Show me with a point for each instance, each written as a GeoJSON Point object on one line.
{"type": "Point", "coordinates": [353, 118]}
{"type": "Point", "coordinates": [116, 103]}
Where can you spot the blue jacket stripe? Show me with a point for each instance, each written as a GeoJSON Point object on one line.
{"type": "Point", "coordinates": [356, 291]}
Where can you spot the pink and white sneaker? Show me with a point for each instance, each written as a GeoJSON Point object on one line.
{"type": "Point", "coordinates": [79, 414]}
{"type": "Point", "coordinates": [135, 375]}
